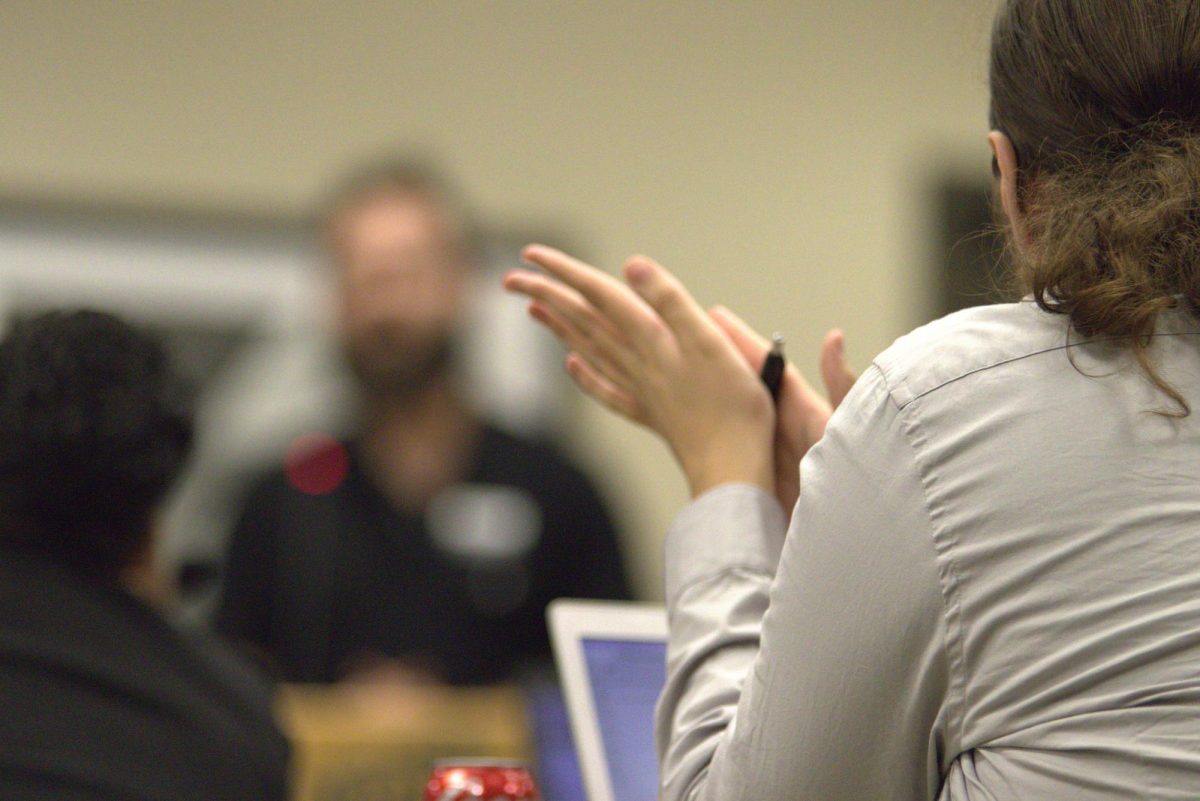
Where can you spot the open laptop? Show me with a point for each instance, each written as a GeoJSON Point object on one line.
{"type": "Point", "coordinates": [611, 660]}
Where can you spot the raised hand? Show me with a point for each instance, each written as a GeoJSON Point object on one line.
{"type": "Point", "coordinates": [645, 349]}
{"type": "Point", "coordinates": [802, 412]}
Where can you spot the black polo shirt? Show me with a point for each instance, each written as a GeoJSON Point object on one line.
{"type": "Point", "coordinates": [319, 581]}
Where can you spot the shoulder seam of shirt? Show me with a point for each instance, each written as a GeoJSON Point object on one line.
{"type": "Point", "coordinates": [740, 568]}
{"type": "Point", "coordinates": [955, 666]}
{"type": "Point", "coordinates": [983, 368]}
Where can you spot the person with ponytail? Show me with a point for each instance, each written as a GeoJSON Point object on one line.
{"type": "Point", "coordinates": [989, 585]}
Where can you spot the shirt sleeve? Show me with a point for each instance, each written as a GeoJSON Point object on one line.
{"type": "Point", "coordinates": [811, 665]}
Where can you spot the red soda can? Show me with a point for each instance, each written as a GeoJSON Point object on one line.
{"type": "Point", "coordinates": [480, 780]}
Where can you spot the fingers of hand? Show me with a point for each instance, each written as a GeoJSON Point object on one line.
{"type": "Point", "coordinates": [835, 372]}
{"type": "Point", "coordinates": [576, 341]}
{"type": "Point", "coordinates": [753, 347]}
{"type": "Point", "coordinates": [667, 296]}
{"type": "Point", "coordinates": [594, 384]}
{"type": "Point", "coordinates": [749, 343]}
{"type": "Point", "coordinates": [609, 296]}
{"type": "Point", "coordinates": [573, 320]}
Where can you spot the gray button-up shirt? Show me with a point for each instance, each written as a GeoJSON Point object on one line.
{"type": "Point", "coordinates": [989, 588]}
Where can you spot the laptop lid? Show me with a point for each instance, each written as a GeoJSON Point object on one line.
{"type": "Point", "coordinates": [611, 659]}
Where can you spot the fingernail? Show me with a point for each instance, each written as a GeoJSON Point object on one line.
{"type": "Point", "coordinates": [638, 271]}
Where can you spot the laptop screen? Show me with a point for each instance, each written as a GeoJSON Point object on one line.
{"type": "Point", "coordinates": [558, 771]}
{"type": "Point", "coordinates": [626, 679]}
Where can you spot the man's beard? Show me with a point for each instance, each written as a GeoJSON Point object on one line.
{"type": "Point", "coordinates": [390, 371]}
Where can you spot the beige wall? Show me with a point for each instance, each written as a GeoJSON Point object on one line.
{"type": "Point", "coordinates": [778, 155]}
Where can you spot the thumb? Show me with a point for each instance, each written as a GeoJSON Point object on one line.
{"type": "Point", "coordinates": [836, 374]}
{"type": "Point", "coordinates": [748, 342]}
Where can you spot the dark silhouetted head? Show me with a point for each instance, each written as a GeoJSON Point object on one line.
{"type": "Point", "coordinates": [94, 428]}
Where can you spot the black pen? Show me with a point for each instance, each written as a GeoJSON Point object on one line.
{"type": "Point", "coordinates": [772, 369]}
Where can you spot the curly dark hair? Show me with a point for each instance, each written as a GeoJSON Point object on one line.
{"type": "Point", "coordinates": [94, 428]}
{"type": "Point", "coordinates": [1101, 99]}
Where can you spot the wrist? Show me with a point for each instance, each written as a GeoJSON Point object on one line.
{"type": "Point", "coordinates": [754, 466]}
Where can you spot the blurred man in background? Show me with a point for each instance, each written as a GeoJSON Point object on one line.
{"type": "Point", "coordinates": [427, 547]}
{"type": "Point", "coordinates": [102, 697]}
